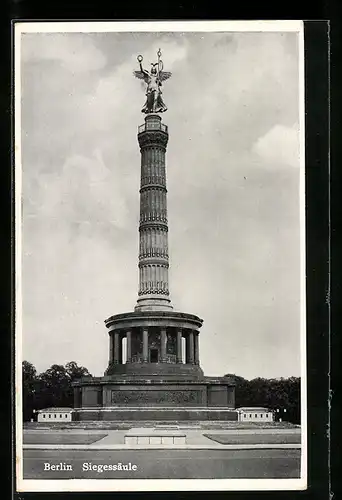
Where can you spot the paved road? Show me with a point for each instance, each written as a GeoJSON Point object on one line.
{"type": "Point", "coordinates": [166, 464]}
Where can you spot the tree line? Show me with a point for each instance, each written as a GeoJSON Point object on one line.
{"type": "Point", "coordinates": [281, 395]}
{"type": "Point", "coordinates": [53, 388]}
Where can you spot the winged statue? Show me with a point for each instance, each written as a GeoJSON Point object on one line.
{"type": "Point", "coordinates": [153, 79]}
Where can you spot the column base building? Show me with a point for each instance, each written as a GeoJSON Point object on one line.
{"type": "Point", "coordinates": [154, 368]}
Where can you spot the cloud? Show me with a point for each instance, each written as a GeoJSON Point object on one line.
{"type": "Point", "coordinates": [75, 52]}
{"type": "Point", "coordinates": [280, 145]}
{"type": "Point", "coordinates": [84, 190]}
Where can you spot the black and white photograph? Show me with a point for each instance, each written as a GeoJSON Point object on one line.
{"type": "Point", "coordinates": [160, 333]}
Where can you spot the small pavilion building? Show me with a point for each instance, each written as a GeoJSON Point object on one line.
{"type": "Point", "coordinates": [254, 414]}
{"type": "Point", "coordinates": [52, 415]}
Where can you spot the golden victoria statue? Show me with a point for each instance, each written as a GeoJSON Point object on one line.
{"type": "Point", "coordinates": [153, 79]}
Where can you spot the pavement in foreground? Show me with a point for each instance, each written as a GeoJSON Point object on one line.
{"type": "Point", "coordinates": [164, 464]}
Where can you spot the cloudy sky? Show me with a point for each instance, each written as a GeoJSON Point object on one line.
{"type": "Point", "coordinates": [233, 181]}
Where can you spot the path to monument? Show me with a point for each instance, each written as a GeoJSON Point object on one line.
{"type": "Point", "coordinates": [167, 464]}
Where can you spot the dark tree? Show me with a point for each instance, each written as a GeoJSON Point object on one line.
{"type": "Point", "coordinates": [57, 384]}
{"type": "Point", "coordinates": [55, 387]}
{"type": "Point", "coordinates": [75, 372]}
{"type": "Point", "coordinates": [281, 395]}
{"type": "Point", "coordinates": [52, 388]}
{"type": "Point", "coordinates": [242, 390]}
{"type": "Point", "coordinates": [29, 386]}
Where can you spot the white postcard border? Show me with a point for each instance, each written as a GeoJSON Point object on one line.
{"type": "Point", "coordinates": [77, 485]}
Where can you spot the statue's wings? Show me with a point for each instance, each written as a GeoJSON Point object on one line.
{"type": "Point", "coordinates": [139, 74]}
{"type": "Point", "coordinates": [164, 75]}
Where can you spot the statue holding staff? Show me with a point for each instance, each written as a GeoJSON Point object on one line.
{"type": "Point", "coordinates": [153, 79]}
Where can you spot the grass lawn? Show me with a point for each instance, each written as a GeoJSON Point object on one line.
{"type": "Point", "coordinates": [61, 438]}
{"type": "Point", "coordinates": [255, 438]}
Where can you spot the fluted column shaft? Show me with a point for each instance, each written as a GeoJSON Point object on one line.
{"type": "Point", "coordinates": [196, 348]}
{"type": "Point", "coordinates": [191, 348]}
{"type": "Point", "coordinates": [189, 351]}
{"type": "Point", "coordinates": [145, 345]}
{"type": "Point", "coordinates": [120, 357]}
{"type": "Point", "coordinates": [163, 341]}
{"type": "Point", "coordinates": [179, 346]}
{"type": "Point", "coordinates": [153, 225]}
{"type": "Point", "coordinates": [153, 229]}
{"type": "Point", "coordinates": [111, 348]}
{"type": "Point", "coordinates": [117, 347]}
{"type": "Point", "coordinates": [129, 346]}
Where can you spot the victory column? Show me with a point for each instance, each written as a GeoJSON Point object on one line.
{"type": "Point", "coordinates": [158, 380]}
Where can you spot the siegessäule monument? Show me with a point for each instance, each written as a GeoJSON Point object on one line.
{"type": "Point", "coordinates": [158, 380]}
